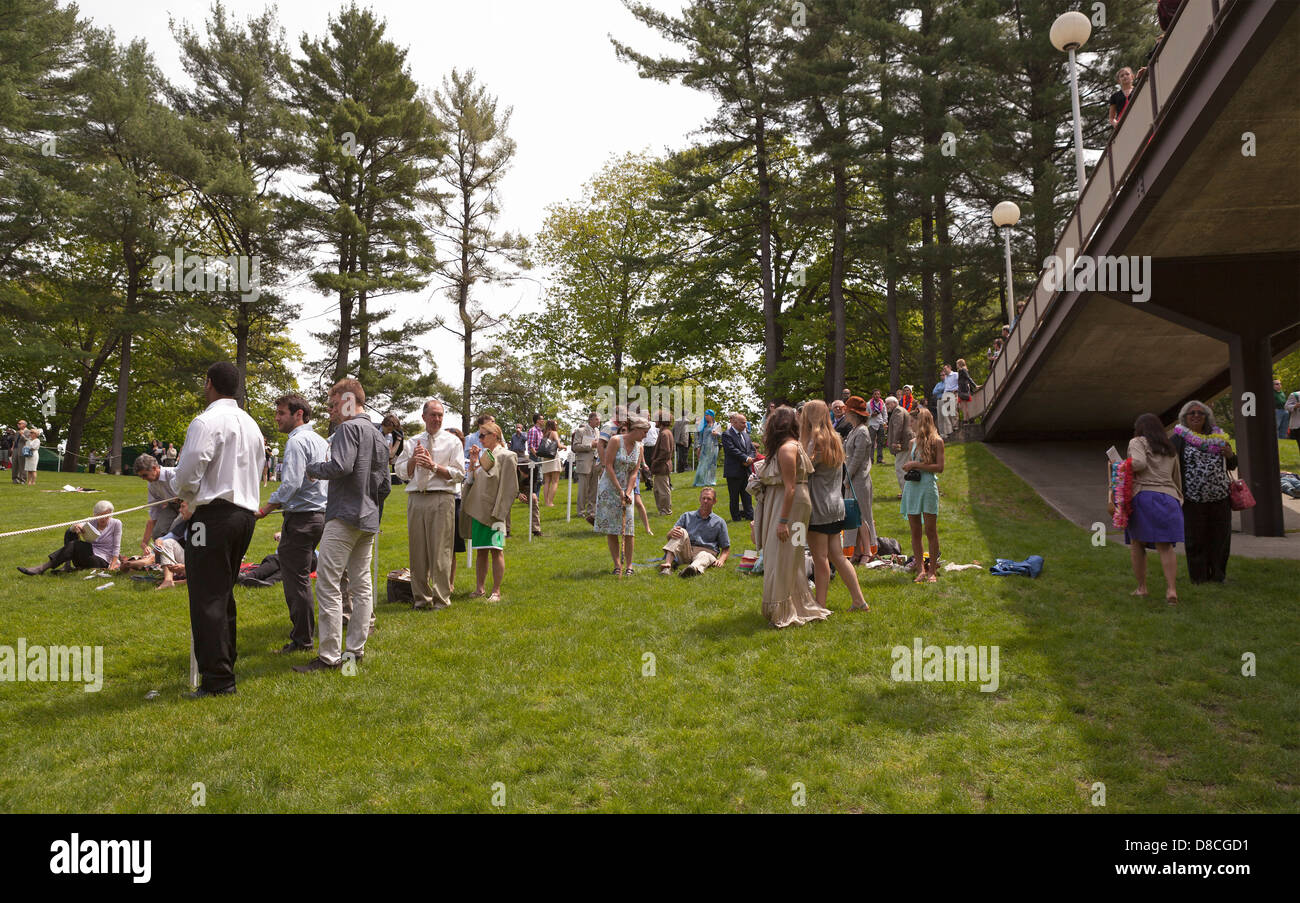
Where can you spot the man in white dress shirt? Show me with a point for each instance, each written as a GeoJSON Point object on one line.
{"type": "Point", "coordinates": [217, 477]}
{"type": "Point", "coordinates": [434, 463]}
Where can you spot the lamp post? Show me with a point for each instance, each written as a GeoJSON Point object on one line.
{"type": "Point", "coordinates": [1006, 215]}
{"type": "Point", "coordinates": [1070, 32]}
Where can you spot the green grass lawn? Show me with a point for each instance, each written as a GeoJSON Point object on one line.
{"type": "Point", "coordinates": [544, 693]}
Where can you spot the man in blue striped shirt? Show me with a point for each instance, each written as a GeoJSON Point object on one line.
{"type": "Point", "coordinates": [303, 502]}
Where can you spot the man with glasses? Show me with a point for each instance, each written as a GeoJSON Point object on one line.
{"type": "Point", "coordinates": [434, 463]}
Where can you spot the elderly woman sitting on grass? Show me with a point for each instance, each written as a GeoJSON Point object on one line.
{"type": "Point", "coordinates": [95, 543]}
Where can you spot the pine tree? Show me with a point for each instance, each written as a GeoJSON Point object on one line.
{"type": "Point", "coordinates": [372, 150]}
{"type": "Point", "coordinates": [478, 154]}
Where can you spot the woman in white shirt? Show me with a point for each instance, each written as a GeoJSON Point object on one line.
{"type": "Point", "coordinates": [30, 462]}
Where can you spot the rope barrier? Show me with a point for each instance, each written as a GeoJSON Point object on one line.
{"type": "Point", "coordinates": [82, 520]}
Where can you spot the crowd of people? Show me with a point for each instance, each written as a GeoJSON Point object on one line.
{"type": "Point", "coordinates": [802, 482]}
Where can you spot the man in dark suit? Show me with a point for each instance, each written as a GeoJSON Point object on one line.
{"type": "Point", "coordinates": [738, 449]}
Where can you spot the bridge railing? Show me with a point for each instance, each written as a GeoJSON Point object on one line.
{"type": "Point", "coordinates": [1193, 27]}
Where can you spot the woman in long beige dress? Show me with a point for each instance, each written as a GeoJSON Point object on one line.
{"type": "Point", "coordinates": [781, 510]}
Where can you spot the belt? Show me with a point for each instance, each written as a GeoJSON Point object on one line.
{"type": "Point", "coordinates": [427, 491]}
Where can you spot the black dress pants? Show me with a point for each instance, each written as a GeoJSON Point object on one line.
{"type": "Point", "coordinates": [742, 505]}
{"type": "Point", "coordinates": [78, 551]}
{"type": "Point", "coordinates": [1207, 533]}
{"type": "Point", "coordinates": [218, 538]}
{"type": "Point", "coordinates": [298, 539]}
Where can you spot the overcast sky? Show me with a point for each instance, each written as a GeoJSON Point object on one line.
{"type": "Point", "coordinates": [575, 104]}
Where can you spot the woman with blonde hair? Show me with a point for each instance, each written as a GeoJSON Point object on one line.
{"type": "Point", "coordinates": [491, 483]}
{"type": "Point", "coordinates": [31, 461]}
{"type": "Point", "coordinates": [826, 522]}
{"type": "Point", "coordinates": [551, 468]}
{"type": "Point", "coordinates": [921, 492]}
{"type": "Point", "coordinates": [781, 509]}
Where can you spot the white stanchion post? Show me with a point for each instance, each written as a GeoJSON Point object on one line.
{"type": "Point", "coordinates": [194, 664]}
{"type": "Point", "coordinates": [531, 465]}
{"type": "Point", "coordinates": [568, 504]}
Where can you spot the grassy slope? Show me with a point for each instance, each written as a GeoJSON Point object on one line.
{"type": "Point", "coordinates": [545, 692]}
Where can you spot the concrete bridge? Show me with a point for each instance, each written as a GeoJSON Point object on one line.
{"type": "Point", "coordinates": [1218, 212]}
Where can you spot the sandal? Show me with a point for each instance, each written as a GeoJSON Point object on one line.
{"type": "Point", "coordinates": [628, 572]}
{"type": "Point", "coordinates": [495, 597]}
{"type": "Point", "coordinates": [860, 608]}
{"type": "Point", "coordinates": [1139, 594]}
{"type": "Point", "coordinates": [477, 593]}
{"type": "Point", "coordinates": [617, 572]}
{"type": "Point", "coordinates": [1172, 600]}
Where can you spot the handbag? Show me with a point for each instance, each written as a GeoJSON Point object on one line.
{"type": "Point", "coordinates": [547, 449]}
{"type": "Point", "coordinates": [1239, 495]}
{"type": "Point", "coordinates": [852, 513]}
{"type": "Point", "coordinates": [28, 452]}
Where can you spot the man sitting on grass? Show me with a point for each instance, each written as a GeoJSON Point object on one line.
{"type": "Point", "coordinates": [699, 537]}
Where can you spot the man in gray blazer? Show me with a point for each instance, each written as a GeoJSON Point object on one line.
{"type": "Point", "coordinates": [584, 464]}
{"type": "Point", "coordinates": [357, 471]}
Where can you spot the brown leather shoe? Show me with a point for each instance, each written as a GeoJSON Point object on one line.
{"type": "Point", "coordinates": [317, 664]}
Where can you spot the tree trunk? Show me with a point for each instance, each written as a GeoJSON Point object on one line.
{"type": "Point", "coordinates": [462, 304]}
{"type": "Point", "coordinates": [947, 326]}
{"type": "Point", "coordinates": [840, 213]}
{"type": "Point", "coordinates": [77, 419]}
{"type": "Point", "coordinates": [772, 344]}
{"type": "Point", "coordinates": [241, 353]}
{"type": "Point", "coordinates": [124, 363]}
{"type": "Point", "coordinates": [929, 339]}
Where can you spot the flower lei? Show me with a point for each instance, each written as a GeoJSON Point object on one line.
{"type": "Point", "coordinates": [1121, 484]}
{"type": "Point", "coordinates": [1215, 443]}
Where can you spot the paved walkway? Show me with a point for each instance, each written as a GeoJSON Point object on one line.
{"type": "Point", "coordinates": [1071, 478]}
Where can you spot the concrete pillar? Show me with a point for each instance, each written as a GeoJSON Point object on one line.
{"type": "Point", "coordinates": [1251, 369]}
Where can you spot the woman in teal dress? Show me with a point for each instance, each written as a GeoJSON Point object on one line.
{"type": "Point", "coordinates": [707, 473]}
{"type": "Point", "coordinates": [921, 496]}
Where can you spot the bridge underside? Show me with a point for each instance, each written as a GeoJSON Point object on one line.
{"type": "Point", "coordinates": [1223, 231]}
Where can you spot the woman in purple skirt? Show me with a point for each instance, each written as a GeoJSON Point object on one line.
{"type": "Point", "coordinates": [1156, 514]}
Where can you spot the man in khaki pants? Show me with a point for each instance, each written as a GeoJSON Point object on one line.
{"type": "Point", "coordinates": [586, 466]}
{"type": "Point", "coordinates": [661, 465]}
{"type": "Point", "coordinates": [434, 463]}
{"type": "Point", "coordinates": [357, 471]}
{"type": "Point", "coordinates": [699, 540]}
